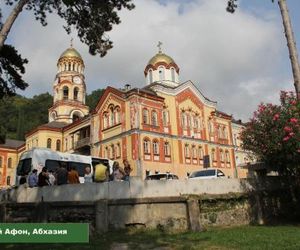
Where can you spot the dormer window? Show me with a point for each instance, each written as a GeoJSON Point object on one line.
{"type": "Point", "coordinates": [173, 74]}
{"type": "Point", "coordinates": [161, 71]}
{"type": "Point", "coordinates": [150, 76]}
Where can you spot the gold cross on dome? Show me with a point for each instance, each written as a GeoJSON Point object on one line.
{"type": "Point", "coordinates": [159, 46]}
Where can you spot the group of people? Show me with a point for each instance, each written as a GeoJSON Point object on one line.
{"type": "Point", "coordinates": [49, 178]}
{"type": "Point", "coordinates": [102, 172]}
{"type": "Point", "coordinates": [70, 176]}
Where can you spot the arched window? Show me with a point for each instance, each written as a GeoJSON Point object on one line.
{"type": "Point", "coordinates": [49, 143]}
{"type": "Point", "coordinates": [196, 122]}
{"type": "Point", "coordinates": [224, 133]}
{"type": "Point", "coordinates": [0, 162]}
{"type": "Point", "coordinates": [167, 150]}
{"type": "Point", "coordinates": [221, 155]}
{"type": "Point", "coordinates": [69, 66]}
{"type": "Point", "coordinates": [9, 163]}
{"type": "Point", "coordinates": [111, 116]}
{"type": "Point", "coordinates": [145, 116]}
{"type": "Point", "coordinates": [183, 119]}
{"type": "Point", "coordinates": [187, 151]}
{"type": "Point", "coordinates": [117, 115]}
{"type": "Point", "coordinates": [106, 153]}
{"type": "Point", "coordinates": [118, 150]}
{"type": "Point", "coordinates": [150, 75]}
{"type": "Point", "coordinates": [200, 150]}
{"type": "Point", "coordinates": [75, 117]}
{"type": "Point", "coordinates": [210, 127]}
{"type": "Point", "coordinates": [188, 119]}
{"type": "Point", "coordinates": [66, 92]}
{"type": "Point", "coordinates": [58, 145]}
{"type": "Point", "coordinates": [113, 151]}
{"type": "Point", "coordinates": [213, 155]}
{"type": "Point", "coordinates": [155, 147]}
{"type": "Point", "coordinates": [161, 72]}
{"type": "Point", "coordinates": [227, 157]}
{"type": "Point", "coordinates": [105, 120]}
{"type": "Point", "coordinates": [76, 90]}
{"type": "Point", "coordinates": [173, 74]}
{"type": "Point", "coordinates": [8, 180]}
{"type": "Point", "coordinates": [165, 118]}
{"type": "Point", "coordinates": [219, 130]}
{"type": "Point", "coordinates": [194, 152]}
{"type": "Point", "coordinates": [154, 118]}
{"type": "Point", "coordinates": [146, 144]}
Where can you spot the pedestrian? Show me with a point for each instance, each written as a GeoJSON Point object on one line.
{"type": "Point", "coordinates": [118, 172]}
{"type": "Point", "coordinates": [62, 174]}
{"type": "Point", "coordinates": [33, 179]}
{"type": "Point", "coordinates": [51, 178]}
{"type": "Point", "coordinates": [73, 177]}
{"type": "Point", "coordinates": [101, 173]}
{"type": "Point", "coordinates": [43, 178]}
{"type": "Point", "coordinates": [127, 169]}
{"type": "Point", "coordinates": [88, 176]}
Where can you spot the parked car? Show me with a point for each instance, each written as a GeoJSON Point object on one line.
{"type": "Point", "coordinates": [211, 173]}
{"type": "Point", "coordinates": [162, 176]}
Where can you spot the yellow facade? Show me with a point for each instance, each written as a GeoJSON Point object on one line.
{"type": "Point", "coordinates": [165, 126]}
{"type": "Point", "coordinates": [9, 156]}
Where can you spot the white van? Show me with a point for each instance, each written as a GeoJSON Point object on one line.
{"type": "Point", "coordinates": [37, 158]}
{"type": "Point", "coordinates": [210, 173]}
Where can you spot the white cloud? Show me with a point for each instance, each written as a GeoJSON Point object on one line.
{"type": "Point", "coordinates": [233, 59]}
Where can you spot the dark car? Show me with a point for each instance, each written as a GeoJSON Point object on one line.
{"type": "Point", "coordinates": [162, 176]}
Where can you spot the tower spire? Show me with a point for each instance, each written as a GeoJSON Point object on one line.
{"type": "Point", "coordinates": [71, 42]}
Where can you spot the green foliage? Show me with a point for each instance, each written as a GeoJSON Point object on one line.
{"type": "Point", "coordinates": [11, 70]}
{"type": "Point", "coordinates": [19, 115]}
{"type": "Point", "coordinates": [93, 98]}
{"type": "Point", "coordinates": [273, 134]}
{"type": "Point", "coordinates": [91, 18]}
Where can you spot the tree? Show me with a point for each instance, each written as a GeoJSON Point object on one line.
{"type": "Point", "coordinates": [273, 134]}
{"type": "Point", "coordinates": [91, 18]}
{"type": "Point", "coordinates": [231, 6]}
{"type": "Point", "coordinates": [93, 99]}
{"type": "Point", "coordinates": [11, 68]}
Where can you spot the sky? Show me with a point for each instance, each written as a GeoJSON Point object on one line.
{"type": "Point", "coordinates": [238, 60]}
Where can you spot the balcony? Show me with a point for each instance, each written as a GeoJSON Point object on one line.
{"type": "Point", "coordinates": [82, 142]}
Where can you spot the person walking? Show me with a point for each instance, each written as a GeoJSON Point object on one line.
{"type": "Point", "coordinates": [127, 169]}
{"type": "Point", "coordinates": [62, 174]}
{"type": "Point", "coordinates": [43, 179]}
{"type": "Point", "coordinates": [51, 178]}
{"type": "Point", "coordinates": [73, 177]}
{"type": "Point", "coordinates": [88, 176]}
{"type": "Point", "coordinates": [101, 173]}
{"type": "Point", "coordinates": [118, 172]}
{"type": "Point", "coordinates": [33, 179]}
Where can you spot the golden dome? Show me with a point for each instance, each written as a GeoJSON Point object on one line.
{"type": "Point", "coordinates": [70, 52]}
{"type": "Point", "coordinates": [161, 57]}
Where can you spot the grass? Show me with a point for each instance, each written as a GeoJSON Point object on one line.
{"type": "Point", "coordinates": [245, 237]}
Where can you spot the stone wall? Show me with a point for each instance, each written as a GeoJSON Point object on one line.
{"type": "Point", "coordinates": [166, 205]}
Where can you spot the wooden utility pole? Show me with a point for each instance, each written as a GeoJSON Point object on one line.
{"type": "Point", "coordinates": [291, 44]}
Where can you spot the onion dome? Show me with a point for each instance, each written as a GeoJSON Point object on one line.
{"type": "Point", "coordinates": [161, 68]}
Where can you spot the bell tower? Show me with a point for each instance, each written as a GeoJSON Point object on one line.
{"type": "Point", "coordinates": [69, 88]}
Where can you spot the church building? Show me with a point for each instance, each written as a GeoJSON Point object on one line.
{"type": "Point", "coordinates": [165, 126]}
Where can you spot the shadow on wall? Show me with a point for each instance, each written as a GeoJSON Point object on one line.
{"type": "Point", "coordinates": [272, 200]}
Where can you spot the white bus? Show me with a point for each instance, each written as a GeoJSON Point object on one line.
{"type": "Point", "coordinates": [37, 158]}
